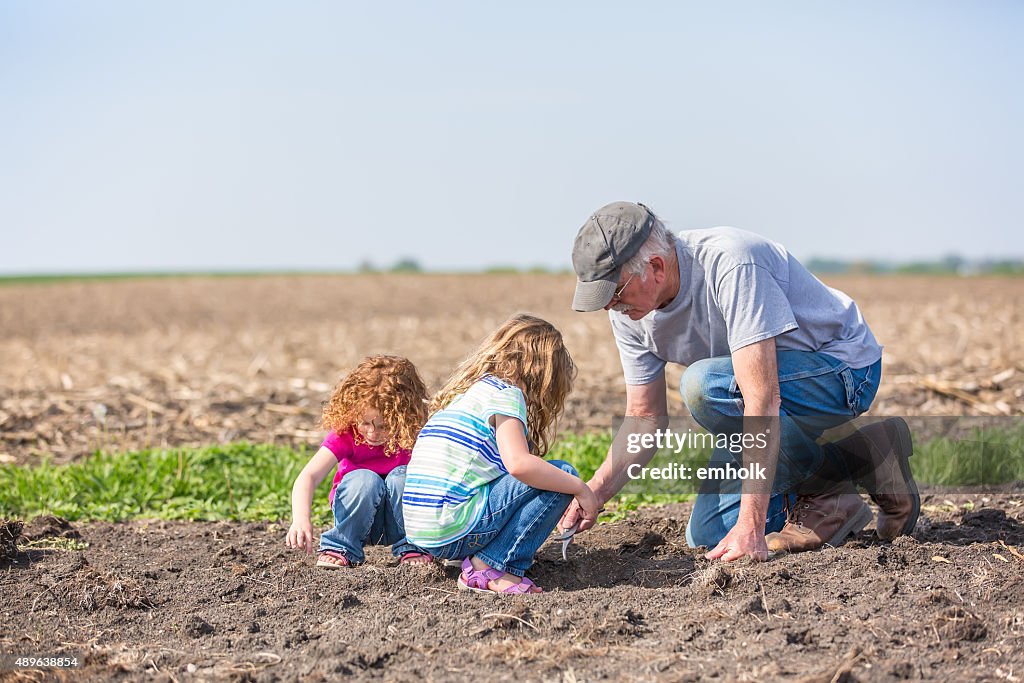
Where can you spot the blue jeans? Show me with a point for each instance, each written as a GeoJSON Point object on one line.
{"type": "Point", "coordinates": [368, 509]}
{"type": "Point", "coordinates": [516, 522]}
{"type": "Point", "coordinates": [818, 392]}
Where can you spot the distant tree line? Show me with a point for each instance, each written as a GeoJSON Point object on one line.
{"type": "Point", "coordinates": [402, 265]}
{"type": "Point", "coordinates": [411, 265]}
{"type": "Point", "coordinates": [947, 265]}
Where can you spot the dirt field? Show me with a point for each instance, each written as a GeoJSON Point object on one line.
{"type": "Point", "coordinates": [123, 365]}
{"type": "Point", "coordinates": [164, 362]}
{"type": "Point", "coordinates": [178, 602]}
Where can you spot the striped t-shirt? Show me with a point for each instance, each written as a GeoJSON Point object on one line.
{"type": "Point", "coordinates": [454, 461]}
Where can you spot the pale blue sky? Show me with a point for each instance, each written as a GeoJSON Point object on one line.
{"type": "Point", "coordinates": [198, 135]}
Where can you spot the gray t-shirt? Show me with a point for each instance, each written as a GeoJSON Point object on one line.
{"type": "Point", "coordinates": [737, 288]}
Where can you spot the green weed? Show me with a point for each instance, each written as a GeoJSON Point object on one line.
{"type": "Point", "coordinates": [252, 482]}
{"type": "Point", "coordinates": [66, 544]}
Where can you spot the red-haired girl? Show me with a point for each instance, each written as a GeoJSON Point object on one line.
{"type": "Point", "coordinates": [373, 416]}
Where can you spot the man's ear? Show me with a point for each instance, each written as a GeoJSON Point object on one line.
{"type": "Point", "coordinates": [658, 269]}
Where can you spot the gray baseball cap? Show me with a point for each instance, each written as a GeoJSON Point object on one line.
{"type": "Point", "coordinates": [609, 238]}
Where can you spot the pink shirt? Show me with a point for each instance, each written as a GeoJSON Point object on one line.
{"type": "Point", "coordinates": [362, 456]}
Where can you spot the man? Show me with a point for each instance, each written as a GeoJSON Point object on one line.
{"type": "Point", "coordinates": [770, 351]}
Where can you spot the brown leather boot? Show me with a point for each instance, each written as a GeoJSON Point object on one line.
{"type": "Point", "coordinates": [878, 454]}
{"type": "Point", "coordinates": [819, 519]}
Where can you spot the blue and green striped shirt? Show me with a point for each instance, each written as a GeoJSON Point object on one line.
{"type": "Point", "coordinates": [454, 461]}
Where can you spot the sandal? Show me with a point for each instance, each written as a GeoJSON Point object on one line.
{"type": "Point", "coordinates": [477, 580]}
{"type": "Point", "coordinates": [411, 557]}
{"type": "Point", "coordinates": [331, 559]}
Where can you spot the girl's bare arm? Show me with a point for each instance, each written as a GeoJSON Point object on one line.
{"type": "Point", "coordinates": [300, 535]}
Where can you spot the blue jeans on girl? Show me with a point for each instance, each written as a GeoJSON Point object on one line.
{"type": "Point", "coordinates": [818, 392]}
{"type": "Point", "coordinates": [516, 522]}
{"type": "Point", "coordinates": [368, 510]}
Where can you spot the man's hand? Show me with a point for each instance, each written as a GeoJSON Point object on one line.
{"type": "Point", "coordinates": [588, 505]}
{"type": "Point", "coordinates": [574, 514]}
{"type": "Point", "coordinates": [741, 541]}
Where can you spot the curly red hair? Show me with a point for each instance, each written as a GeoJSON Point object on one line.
{"type": "Point", "coordinates": [391, 386]}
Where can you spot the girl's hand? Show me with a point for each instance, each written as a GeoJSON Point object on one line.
{"type": "Point", "coordinates": [300, 537]}
{"type": "Point", "coordinates": [589, 506]}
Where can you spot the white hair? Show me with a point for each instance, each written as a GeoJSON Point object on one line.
{"type": "Point", "coordinates": [661, 242]}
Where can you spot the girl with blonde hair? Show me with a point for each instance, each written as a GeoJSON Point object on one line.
{"type": "Point", "coordinates": [373, 416]}
{"type": "Point", "coordinates": [477, 487]}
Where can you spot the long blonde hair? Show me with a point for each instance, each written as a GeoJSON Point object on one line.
{"type": "Point", "coordinates": [528, 352]}
{"type": "Point", "coordinates": [389, 385]}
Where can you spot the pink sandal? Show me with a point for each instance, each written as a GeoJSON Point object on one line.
{"type": "Point", "coordinates": [476, 580]}
{"type": "Point", "coordinates": [341, 560]}
{"type": "Point", "coordinates": [407, 558]}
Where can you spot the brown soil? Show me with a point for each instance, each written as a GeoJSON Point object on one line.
{"type": "Point", "coordinates": [175, 601]}
{"type": "Point", "coordinates": [168, 362]}
{"type": "Point", "coordinates": [194, 361]}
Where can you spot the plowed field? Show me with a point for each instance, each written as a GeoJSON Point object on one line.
{"type": "Point", "coordinates": [132, 364]}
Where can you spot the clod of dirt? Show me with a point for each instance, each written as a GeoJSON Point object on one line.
{"type": "Point", "coordinates": [956, 624]}
{"type": "Point", "coordinates": [762, 604]}
{"type": "Point", "coordinates": [296, 638]}
{"type": "Point", "coordinates": [752, 606]}
{"type": "Point", "coordinates": [633, 623]}
{"type": "Point", "coordinates": [231, 590]}
{"type": "Point", "coordinates": [781, 606]}
{"type": "Point", "coordinates": [226, 553]}
{"type": "Point", "coordinates": [716, 579]}
{"type": "Point", "coordinates": [800, 637]}
{"type": "Point", "coordinates": [89, 590]}
{"type": "Point", "coordinates": [892, 558]}
{"type": "Point", "coordinates": [375, 658]}
{"type": "Point", "coordinates": [904, 542]}
{"type": "Point", "coordinates": [197, 626]}
{"type": "Point", "coordinates": [988, 518]}
{"type": "Point", "coordinates": [50, 526]}
{"type": "Point", "coordinates": [647, 544]}
{"type": "Point", "coordinates": [937, 597]}
{"type": "Point", "coordinates": [10, 530]}
{"type": "Point", "coordinates": [610, 627]}
{"type": "Point", "coordinates": [902, 670]}
{"type": "Point", "coordinates": [516, 616]}
{"type": "Point", "coordinates": [346, 601]}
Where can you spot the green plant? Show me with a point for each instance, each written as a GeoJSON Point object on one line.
{"type": "Point", "coordinates": [252, 482]}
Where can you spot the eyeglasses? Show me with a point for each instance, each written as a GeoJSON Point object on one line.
{"type": "Point", "coordinates": [617, 296]}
